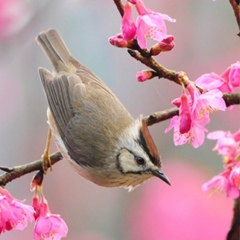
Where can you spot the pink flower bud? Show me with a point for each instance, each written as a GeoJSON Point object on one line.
{"type": "Point", "coordinates": [132, 1]}
{"type": "Point", "coordinates": [36, 206]}
{"type": "Point", "coordinates": [118, 41]}
{"type": "Point", "coordinates": [234, 75]}
{"type": "Point", "coordinates": [128, 25]}
{"type": "Point", "coordinates": [141, 8]}
{"type": "Point", "coordinates": [144, 76]}
{"type": "Point", "coordinates": [36, 181]}
{"type": "Point", "coordinates": [185, 116]}
{"type": "Point", "coordinates": [165, 45]}
{"type": "Point", "coordinates": [176, 102]}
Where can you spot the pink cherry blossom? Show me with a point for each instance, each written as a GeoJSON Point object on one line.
{"type": "Point", "coordinates": [195, 135]}
{"type": "Point", "coordinates": [227, 144]}
{"type": "Point", "coordinates": [210, 81]}
{"type": "Point", "coordinates": [48, 226]}
{"type": "Point", "coordinates": [194, 110]}
{"type": "Point", "coordinates": [205, 103]}
{"type": "Point", "coordinates": [128, 25]}
{"type": "Point", "coordinates": [144, 76]}
{"type": "Point", "coordinates": [225, 82]}
{"type": "Point", "coordinates": [13, 213]}
{"type": "Point", "coordinates": [222, 183]}
{"type": "Point", "coordinates": [150, 24]}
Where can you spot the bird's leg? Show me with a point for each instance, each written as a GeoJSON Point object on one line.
{"type": "Point", "coordinates": [46, 155]}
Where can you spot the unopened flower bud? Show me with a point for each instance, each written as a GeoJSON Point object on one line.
{"type": "Point", "coordinates": [36, 181]}
{"type": "Point", "coordinates": [128, 25]}
{"type": "Point", "coordinates": [132, 1]}
{"type": "Point", "coordinates": [165, 45]}
{"type": "Point", "coordinates": [144, 76]}
{"type": "Point", "coordinates": [184, 112]}
{"type": "Point", "coordinates": [118, 41]}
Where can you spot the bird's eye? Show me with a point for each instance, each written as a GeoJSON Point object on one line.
{"type": "Point", "coordinates": [140, 161]}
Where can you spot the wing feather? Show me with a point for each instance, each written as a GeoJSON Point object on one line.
{"type": "Point", "coordinates": [57, 93]}
{"type": "Point", "coordinates": [87, 114]}
{"type": "Point", "coordinates": [84, 109]}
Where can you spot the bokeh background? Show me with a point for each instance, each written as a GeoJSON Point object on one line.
{"type": "Point", "coordinates": [206, 41]}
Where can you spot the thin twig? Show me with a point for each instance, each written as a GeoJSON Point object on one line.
{"type": "Point", "coordinates": [119, 6]}
{"type": "Point", "coordinates": [161, 71]}
{"type": "Point", "coordinates": [236, 9]}
{"type": "Point", "coordinates": [161, 116]}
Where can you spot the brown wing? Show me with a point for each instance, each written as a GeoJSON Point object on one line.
{"type": "Point", "coordinates": [87, 114]}
{"type": "Point", "coordinates": [84, 109]}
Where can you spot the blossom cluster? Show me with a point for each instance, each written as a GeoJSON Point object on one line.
{"type": "Point", "coordinates": [14, 214]}
{"type": "Point", "coordinates": [228, 146]}
{"type": "Point", "coordinates": [147, 24]}
{"type": "Point", "coordinates": [194, 110]}
{"type": "Point", "coordinates": [205, 97]}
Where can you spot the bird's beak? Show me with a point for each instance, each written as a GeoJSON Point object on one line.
{"type": "Point", "coordinates": [161, 175]}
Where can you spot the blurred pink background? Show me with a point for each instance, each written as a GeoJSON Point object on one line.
{"type": "Point", "coordinates": [206, 41]}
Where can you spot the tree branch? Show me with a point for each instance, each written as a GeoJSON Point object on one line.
{"type": "Point", "coordinates": [234, 232]}
{"type": "Point", "coordinates": [229, 98]}
{"type": "Point", "coordinates": [161, 71]}
{"type": "Point", "coordinates": [18, 171]}
{"type": "Point", "coordinates": [119, 6]}
{"type": "Point", "coordinates": [236, 9]}
{"type": "Point", "coordinates": [161, 116]}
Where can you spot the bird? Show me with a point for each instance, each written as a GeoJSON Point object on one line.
{"type": "Point", "coordinates": [91, 127]}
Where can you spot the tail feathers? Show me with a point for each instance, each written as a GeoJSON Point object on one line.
{"type": "Point", "coordinates": [54, 47]}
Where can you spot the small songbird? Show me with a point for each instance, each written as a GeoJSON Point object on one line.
{"type": "Point", "coordinates": [92, 129]}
